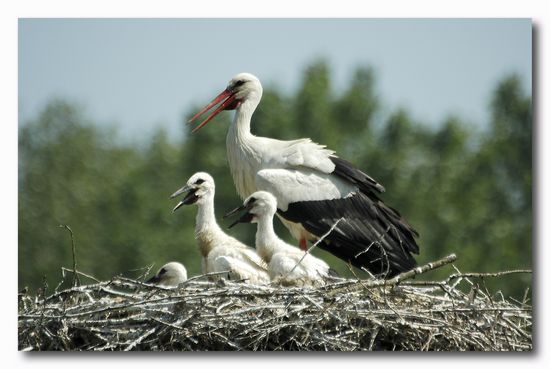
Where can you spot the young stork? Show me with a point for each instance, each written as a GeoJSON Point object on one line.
{"type": "Point", "coordinates": [285, 263]}
{"type": "Point", "coordinates": [169, 275]}
{"type": "Point", "coordinates": [314, 188]}
{"type": "Point", "coordinates": [219, 251]}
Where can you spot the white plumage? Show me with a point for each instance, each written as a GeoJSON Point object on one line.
{"type": "Point", "coordinates": [220, 252]}
{"type": "Point", "coordinates": [248, 154]}
{"type": "Point", "coordinates": [169, 275]}
{"type": "Point", "coordinates": [239, 270]}
{"type": "Point", "coordinates": [314, 188]}
{"type": "Point", "coordinates": [298, 170]}
{"type": "Point", "coordinates": [286, 264]}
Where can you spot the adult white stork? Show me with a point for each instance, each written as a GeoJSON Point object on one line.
{"type": "Point", "coordinates": [219, 251]}
{"type": "Point", "coordinates": [169, 275]}
{"type": "Point", "coordinates": [286, 264]}
{"type": "Point", "coordinates": [314, 188]}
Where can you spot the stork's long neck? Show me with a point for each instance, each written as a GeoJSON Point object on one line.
{"type": "Point", "coordinates": [241, 150]}
{"type": "Point", "coordinates": [266, 239]}
{"type": "Point", "coordinates": [206, 227]}
{"type": "Point", "coordinates": [241, 121]}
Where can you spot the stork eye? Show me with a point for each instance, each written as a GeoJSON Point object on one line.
{"type": "Point", "coordinates": [199, 181]}
{"type": "Point", "coordinates": [239, 83]}
{"type": "Point", "coordinates": [162, 271]}
{"type": "Point", "coordinates": [251, 201]}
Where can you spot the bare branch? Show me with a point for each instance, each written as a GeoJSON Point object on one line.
{"type": "Point", "coordinates": [76, 278]}
{"type": "Point", "coordinates": [315, 245]}
{"type": "Point", "coordinates": [453, 314]}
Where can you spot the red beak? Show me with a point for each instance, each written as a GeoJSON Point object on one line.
{"type": "Point", "coordinates": [229, 102]}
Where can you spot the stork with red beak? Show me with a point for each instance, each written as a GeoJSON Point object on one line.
{"type": "Point", "coordinates": [314, 188]}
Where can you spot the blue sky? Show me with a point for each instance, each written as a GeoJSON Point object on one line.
{"type": "Point", "coordinates": [141, 74]}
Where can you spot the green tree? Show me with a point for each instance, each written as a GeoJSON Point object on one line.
{"type": "Point", "coordinates": [313, 106]}
{"type": "Point", "coordinates": [69, 174]}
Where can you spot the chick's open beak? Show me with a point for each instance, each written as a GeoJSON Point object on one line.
{"type": "Point", "coordinates": [247, 217]}
{"type": "Point", "coordinates": [190, 198]}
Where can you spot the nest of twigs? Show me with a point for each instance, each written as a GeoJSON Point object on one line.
{"type": "Point", "coordinates": [345, 315]}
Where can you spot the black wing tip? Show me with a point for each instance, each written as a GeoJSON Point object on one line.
{"type": "Point", "coordinates": [368, 238]}
{"type": "Point", "coordinates": [348, 171]}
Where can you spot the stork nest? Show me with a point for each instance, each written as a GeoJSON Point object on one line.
{"type": "Point", "coordinates": [454, 314]}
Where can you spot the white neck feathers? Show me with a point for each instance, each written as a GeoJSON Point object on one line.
{"type": "Point", "coordinates": [206, 225]}
{"type": "Point", "coordinates": [267, 242]}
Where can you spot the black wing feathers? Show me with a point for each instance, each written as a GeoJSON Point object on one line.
{"type": "Point", "coordinates": [346, 170]}
{"type": "Point", "coordinates": [372, 234]}
{"type": "Point", "coordinates": [368, 236]}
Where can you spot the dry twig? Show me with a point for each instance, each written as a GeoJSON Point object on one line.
{"type": "Point", "coordinates": [76, 278]}
{"type": "Point", "coordinates": [124, 314]}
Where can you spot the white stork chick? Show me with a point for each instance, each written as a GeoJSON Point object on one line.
{"type": "Point", "coordinates": [169, 275]}
{"type": "Point", "coordinates": [314, 188]}
{"type": "Point", "coordinates": [238, 270]}
{"type": "Point", "coordinates": [241, 261]}
{"type": "Point", "coordinates": [286, 264]}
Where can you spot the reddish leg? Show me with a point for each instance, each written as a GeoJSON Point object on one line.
{"type": "Point", "coordinates": [303, 244]}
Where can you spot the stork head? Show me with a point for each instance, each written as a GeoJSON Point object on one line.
{"type": "Point", "coordinates": [170, 275]}
{"type": "Point", "coordinates": [244, 87]}
{"type": "Point", "coordinates": [198, 189]}
{"type": "Point", "coordinates": [259, 205]}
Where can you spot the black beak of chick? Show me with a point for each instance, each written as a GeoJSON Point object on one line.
{"type": "Point", "coordinates": [190, 197]}
{"type": "Point", "coordinates": [153, 280]}
{"type": "Point", "coordinates": [245, 218]}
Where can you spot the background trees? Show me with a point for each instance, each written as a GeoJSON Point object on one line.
{"type": "Point", "coordinates": [466, 189]}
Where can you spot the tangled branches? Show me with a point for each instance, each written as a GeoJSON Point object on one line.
{"type": "Point", "coordinates": [345, 315]}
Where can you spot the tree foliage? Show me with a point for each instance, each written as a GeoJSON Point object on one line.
{"type": "Point", "coordinates": [466, 190]}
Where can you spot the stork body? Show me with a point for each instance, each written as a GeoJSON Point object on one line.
{"type": "Point", "coordinates": [286, 264]}
{"type": "Point", "coordinates": [213, 242]}
{"type": "Point", "coordinates": [238, 270]}
{"type": "Point", "coordinates": [169, 275]}
{"type": "Point", "coordinates": [314, 188]}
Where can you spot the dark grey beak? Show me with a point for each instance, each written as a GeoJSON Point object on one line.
{"type": "Point", "coordinates": [234, 211]}
{"type": "Point", "coordinates": [190, 197]}
{"type": "Point", "coordinates": [153, 280]}
{"type": "Point", "coordinates": [180, 191]}
{"type": "Point", "coordinates": [245, 218]}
